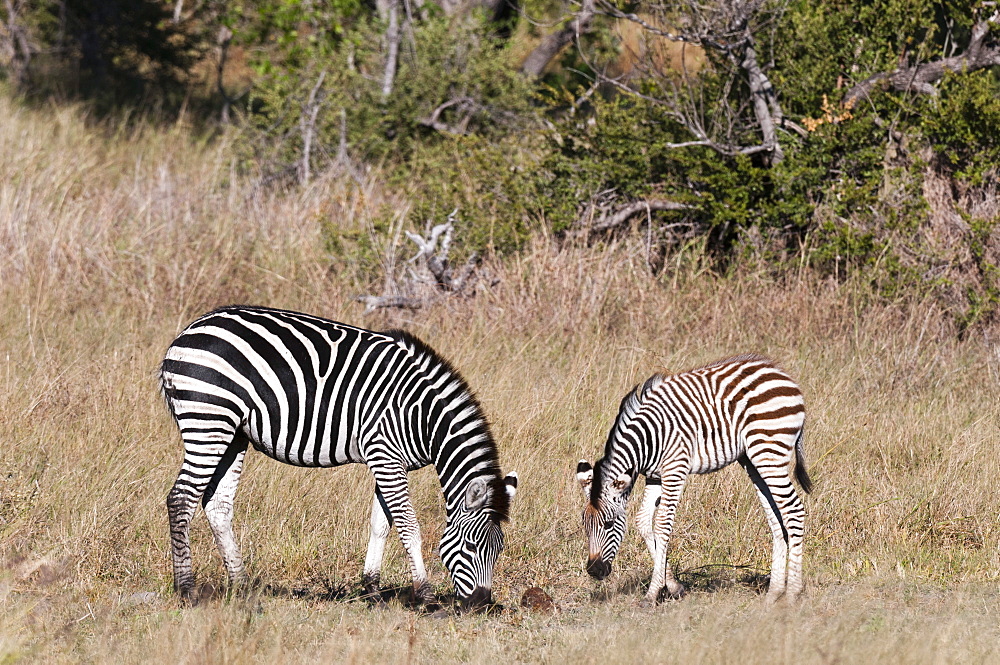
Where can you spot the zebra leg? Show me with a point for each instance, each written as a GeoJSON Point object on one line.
{"type": "Point", "coordinates": [218, 502]}
{"type": "Point", "coordinates": [201, 459]}
{"type": "Point", "coordinates": [663, 523]}
{"type": "Point", "coordinates": [779, 550]}
{"type": "Point", "coordinates": [381, 525]}
{"type": "Point", "coordinates": [774, 473]}
{"type": "Point", "coordinates": [644, 516]}
{"type": "Point", "coordinates": [390, 477]}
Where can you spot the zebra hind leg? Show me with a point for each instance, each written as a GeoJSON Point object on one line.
{"type": "Point", "coordinates": [786, 515]}
{"type": "Point", "coordinates": [381, 525]}
{"type": "Point", "coordinates": [218, 502]}
{"type": "Point", "coordinates": [779, 549]}
{"type": "Point", "coordinates": [182, 501]}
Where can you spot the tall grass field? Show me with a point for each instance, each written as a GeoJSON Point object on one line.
{"type": "Point", "coordinates": [111, 240]}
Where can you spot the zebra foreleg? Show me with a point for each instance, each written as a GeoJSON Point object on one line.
{"type": "Point", "coordinates": [218, 502]}
{"type": "Point", "coordinates": [663, 523]}
{"type": "Point", "coordinates": [381, 525]}
{"type": "Point", "coordinates": [392, 483]}
{"type": "Point", "coordinates": [644, 516]}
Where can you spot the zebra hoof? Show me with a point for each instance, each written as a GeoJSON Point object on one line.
{"type": "Point", "coordinates": [425, 599]}
{"type": "Point", "coordinates": [673, 592]}
{"type": "Point", "coordinates": [646, 603]}
{"type": "Point", "coordinates": [370, 591]}
{"type": "Point", "coordinates": [431, 606]}
{"type": "Point", "coordinates": [188, 596]}
{"type": "Point", "coordinates": [772, 599]}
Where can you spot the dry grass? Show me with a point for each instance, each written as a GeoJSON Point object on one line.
{"type": "Point", "coordinates": [111, 241]}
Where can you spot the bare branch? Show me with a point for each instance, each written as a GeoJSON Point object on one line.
{"type": "Point", "coordinates": [636, 207]}
{"type": "Point", "coordinates": [466, 103]}
{"type": "Point", "coordinates": [224, 39]}
{"type": "Point", "coordinates": [920, 78]}
{"type": "Point", "coordinates": [392, 36]}
{"type": "Point", "coordinates": [430, 275]}
{"type": "Point", "coordinates": [307, 125]}
{"type": "Point", "coordinates": [763, 100]}
{"type": "Point", "coordinates": [554, 42]}
{"type": "Point", "coordinates": [373, 303]}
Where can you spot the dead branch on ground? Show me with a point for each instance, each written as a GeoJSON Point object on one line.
{"type": "Point", "coordinates": [429, 275]}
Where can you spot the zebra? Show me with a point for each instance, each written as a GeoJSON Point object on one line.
{"type": "Point", "coordinates": [312, 392]}
{"type": "Point", "coordinates": [741, 409]}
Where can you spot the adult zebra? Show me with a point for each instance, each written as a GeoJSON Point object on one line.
{"type": "Point", "coordinates": [742, 409]}
{"type": "Point", "coordinates": [312, 392]}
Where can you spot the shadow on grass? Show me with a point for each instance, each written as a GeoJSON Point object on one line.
{"type": "Point", "coordinates": [710, 578]}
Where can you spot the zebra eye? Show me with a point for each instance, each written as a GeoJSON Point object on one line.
{"type": "Point", "coordinates": [608, 524]}
{"type": "Point", "coordinates": [470, 547]}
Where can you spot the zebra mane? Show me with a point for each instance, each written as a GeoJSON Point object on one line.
{"type": "Point", "coordinates": [499, 502]}
{"type": "Point", "coordinates": [743, 357]}
{"type": "Point", "coordinates": [629, 405]}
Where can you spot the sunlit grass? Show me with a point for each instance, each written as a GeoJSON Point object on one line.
{"type": "Point", "coordinates": [111, 241]}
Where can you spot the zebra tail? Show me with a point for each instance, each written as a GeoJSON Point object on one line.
{"type": "Point", "coordinates": [801, 474]}
{"type": "Point", "coordinates": [165, 393]}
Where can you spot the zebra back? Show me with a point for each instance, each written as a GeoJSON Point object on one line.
{"type": "Point", "coordinates": [714, 407]}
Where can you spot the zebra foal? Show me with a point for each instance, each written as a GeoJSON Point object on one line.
{"type": "Point", "coordinates": [742, 409]}
{"type": "Point", "coordinates": [312, 392]}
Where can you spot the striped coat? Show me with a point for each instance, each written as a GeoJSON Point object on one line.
{"type": "Point", "coordinates": [742, 409]}
{"type": "Point", "coordinates": [312, 392]}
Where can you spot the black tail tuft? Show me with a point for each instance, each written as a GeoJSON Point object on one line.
{"type": "Point", "coordinates": [801, 474]}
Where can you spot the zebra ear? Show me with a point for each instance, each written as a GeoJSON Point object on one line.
{"type": "Point", "coordinates": [510, 483]}
{"type": "Point", "coordinates": [621, 483]}
{"type": "Point", "coordinates": [477, 494]}
{"type": "Point", "coordinates": [585, 476]}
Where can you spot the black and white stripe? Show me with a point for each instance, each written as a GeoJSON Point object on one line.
{"type": "Point", "coordinates": [742, 409]}
{"type": "Point", "coordinates": [312, 392]}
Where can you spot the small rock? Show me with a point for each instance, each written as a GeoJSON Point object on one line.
{"type": "Point", "coordinates": [536, 600]}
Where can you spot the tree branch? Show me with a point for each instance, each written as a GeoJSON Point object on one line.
{"type": "Point", "coordinates": [392, 35]}
{"type": "Point", "coordinates": [307, 124]}
{"type": "Point", "coordinates": [920, 78]}
{"type": "Point", "coordinates": [554, 42]}
{"type": "Point", "coordinates": [764, 101]}
{"type": "Point", "coordinates": [435, 123]}
{"type": "Point", "coordinates": [636, 207]}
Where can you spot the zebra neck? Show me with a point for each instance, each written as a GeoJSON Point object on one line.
{"type": "Point", "coordinates": [628, 452]}
{"type": "Point", "coordinates": [461, 459]}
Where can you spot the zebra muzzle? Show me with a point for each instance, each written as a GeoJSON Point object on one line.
{"type": "Point", "coordinates": [480, 598]}
{"type": "Point", "coordinates": [598, 568]}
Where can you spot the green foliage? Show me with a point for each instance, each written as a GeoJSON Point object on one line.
{"type": "Point", "coordinates": [472, 161]}
{"type": "Point", "coordinates": [963, 125]}
{"type": "Point", "coordinates": [116, 52]}
{"type": "Point", "coordinates": [492, 185]}
{"type": "Point", "coordinates": [286, 35]}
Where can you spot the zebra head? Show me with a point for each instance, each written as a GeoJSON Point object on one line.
{"type": "Point", "coordinates": [473, 538]}
{"type": "Point", "coordinates": [603, 515]}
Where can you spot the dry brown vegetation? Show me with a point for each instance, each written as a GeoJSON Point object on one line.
{"type": "Point", "coordinates": [111, 240]}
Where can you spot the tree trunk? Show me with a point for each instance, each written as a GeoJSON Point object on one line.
{"type": "Point", "coordinates": [15, 46]}
{"type": "Point", "coordinates": [392, 38]}
{"type": "Point", "coordinates": [553, 43]}
{"type": "Point", "coordinates": [764, 101]}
